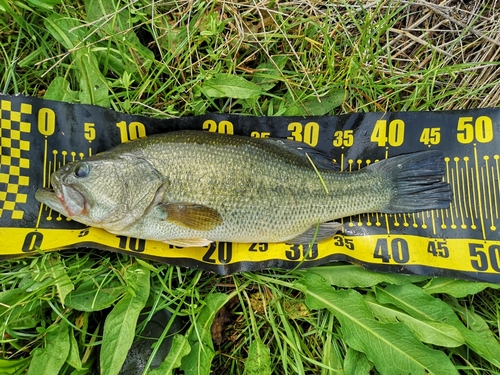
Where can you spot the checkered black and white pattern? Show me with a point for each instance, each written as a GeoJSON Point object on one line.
{"type": "Point", "coordinates": [14, 163]}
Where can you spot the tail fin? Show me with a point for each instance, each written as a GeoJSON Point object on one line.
{"type": "Point", "coordinates": [417, 182]}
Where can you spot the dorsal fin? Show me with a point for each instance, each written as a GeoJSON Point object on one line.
{"type": "Point", "coordinates": [320, 159]}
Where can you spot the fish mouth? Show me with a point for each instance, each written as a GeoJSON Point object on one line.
{"type": "Point", "coordinates": [50, 198]}
{"type": "Point", "coordinates": [62, 198]}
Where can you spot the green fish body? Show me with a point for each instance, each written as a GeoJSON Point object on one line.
{"type": "Point", "coordinates": [190, 188]}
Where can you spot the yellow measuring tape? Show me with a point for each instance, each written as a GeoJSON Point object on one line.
{"type": "Point", "coordinates": [39, 136]}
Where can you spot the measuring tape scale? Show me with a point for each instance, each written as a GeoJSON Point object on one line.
{"type": "Point", "coordinates": [440, 256]}
{"type": "Point", "coordinates": [39, 136]}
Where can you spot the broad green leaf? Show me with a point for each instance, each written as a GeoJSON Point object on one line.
{"type": "Point", "coordinates": [268, 74]}
{"type": "Point", "coordinates": [259, 359]}
{"type": "Point", "coordinates": [199, 359]}
{"type": "Point", "coordinates": [51, 358]}
{"type": "Point", "coordinates": [456, 288]}
{"type": "Point", "coordinates": [65, 30]}
{"type": "Point", "coordinates": [59, 90]}
{"type": "Point", "coordinates": [43, 4]}
{"type": "Point", "coordinates": [74, 354]}
{"type": "Point", "coordinates": [230, 86]}
{"type": "Point", "coordinates": [352, 276]}
{"type": "Point", "coordinates": [113, 20]}
{"type": "Point", "coordinates": [213, 304]}
{"type": "Point", "coordinates": [392, 347]}
{"type": "Point", "coordinates": [356, 363]}
{"type": "Point", "coordinates": [479, 337]}
{"type": "Point", "coordinates": [40, 277]}
{"type": "Point", "coordinates": [18, 310]}
{"type": "Point", "coordinates": [431, 332]}
{"type": "Point", "coordinates": [93, 85]}
{"type": "Point", "coordinates": [179, 349]}
{"type": "Point", "coordinates": [120, 324]}
{"type": "Point", "coordinates": [85, 371]}
{"type": "Point", "coordinates": [95, 294]}
{"type": "Point", "coordinates": [63, 283]}
{"type": "Point", "coordinates": [10, 297]}
{"type": "Point", "coordinates": [315, 107]}
{"type": "Point", "coordinates": [416, 302]}
{"type": "Point", "coordinates": [27, 315]}
{"type": "Point", "coordinates": [13, 366]}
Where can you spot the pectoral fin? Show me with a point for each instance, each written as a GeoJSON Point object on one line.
{"type": "Point", "coordinates": [193, 216]}
{"type": "Point", "coordinates": [324, 231]}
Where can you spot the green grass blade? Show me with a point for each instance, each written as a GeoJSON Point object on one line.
{"type": "Point", "coordinates": [111, 20]}
{"type": "Point", "coordinates": [93, 85]}
{"type": "Point", "coordinates": [64, 30]}
{"type": "Point", "coordinates": [314, 107]}
{"type": "Point", "coordinates": [319, 175]}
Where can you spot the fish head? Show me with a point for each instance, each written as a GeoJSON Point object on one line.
{"type": "Point", "coordinates": [103, 192]}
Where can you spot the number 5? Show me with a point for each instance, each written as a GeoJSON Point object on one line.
{"type": "Point", "coordinates": [89, 131]}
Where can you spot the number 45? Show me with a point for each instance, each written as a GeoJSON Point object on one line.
{"type": "Point", "coordinates": [430, 136]}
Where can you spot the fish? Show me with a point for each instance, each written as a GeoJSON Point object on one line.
{"type": "Point", "coordinates": [190, 188]}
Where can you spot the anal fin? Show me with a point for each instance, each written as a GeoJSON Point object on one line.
{"type": "Point", "coordinates": [189, 242]}
{"type": "Point", "coordinates": [317, 233]}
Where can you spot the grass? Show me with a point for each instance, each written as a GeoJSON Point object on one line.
{"type": "Point", "coordinates": [155, 59]}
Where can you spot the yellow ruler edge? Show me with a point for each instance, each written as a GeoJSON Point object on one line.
{"type": "Point", "coordinates": [467, 255]}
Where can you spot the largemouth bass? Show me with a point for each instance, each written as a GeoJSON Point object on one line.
{"type": "Point", "coordinates": [189, 188]}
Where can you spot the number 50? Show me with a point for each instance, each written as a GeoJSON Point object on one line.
{"type": "Point", "coordinates": [469, 130]}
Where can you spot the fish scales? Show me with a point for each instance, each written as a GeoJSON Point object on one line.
{"type": "Point", "coordinates": [257, 198]}
{"type": "Point", "coordinates": [191, 188]}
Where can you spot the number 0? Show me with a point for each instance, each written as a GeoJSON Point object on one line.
{"type": "Point", "coordinates": [32, 241]}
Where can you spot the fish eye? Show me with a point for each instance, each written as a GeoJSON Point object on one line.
{"type": "Point", "coordinates": [82, 170]}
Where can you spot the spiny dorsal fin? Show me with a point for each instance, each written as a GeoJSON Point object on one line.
{"type": "Point", "coordinates": [320, 158]}
{"type": "Point", "coordinates": [193, 216]}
